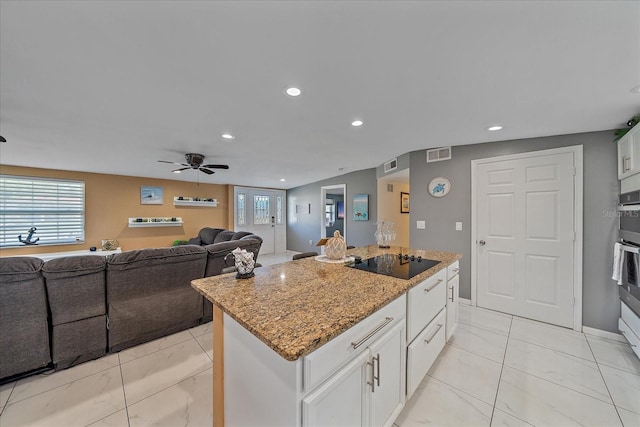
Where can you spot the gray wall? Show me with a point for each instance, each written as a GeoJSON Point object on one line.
{"type": "Point", "coordinates": [600, 297]}
{"type": "Point", "coordinates": [302, 228]}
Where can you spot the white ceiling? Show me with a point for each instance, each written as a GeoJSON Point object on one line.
{"type": "Point", "coordinates": [114, 86]}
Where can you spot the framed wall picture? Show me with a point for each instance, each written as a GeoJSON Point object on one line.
{"type": "Point", "coordinates": [303, 209]}
{"type": "Point", "coordinates": [404, 202]}
{"type": "Point", "coordinates": [151, 195]}
{"type": "Point", "coordinates": [361, 207]}
{"type": "Point", "coordinates": [340, 209]}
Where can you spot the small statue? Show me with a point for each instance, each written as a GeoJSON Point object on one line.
{"type": "Point", "coordinates": [28, 240]}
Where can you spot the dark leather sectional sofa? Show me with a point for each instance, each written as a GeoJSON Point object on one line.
{"type": "Point", "coordinates": [70, 310]}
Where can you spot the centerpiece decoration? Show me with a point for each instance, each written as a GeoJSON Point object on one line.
{"type": "Point", "coordinates": [385, 233]}
{"type": "Point", "coordinates": [336, 248]}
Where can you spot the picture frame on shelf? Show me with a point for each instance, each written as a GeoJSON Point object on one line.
{"type": "Point", "coordinates": [404, 202]}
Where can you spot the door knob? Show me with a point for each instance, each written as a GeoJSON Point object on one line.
{"type": "Point", "coordinates": [482, 242]}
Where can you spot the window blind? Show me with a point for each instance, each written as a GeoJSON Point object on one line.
{"type": "Point", "coordinates": [54, 206]}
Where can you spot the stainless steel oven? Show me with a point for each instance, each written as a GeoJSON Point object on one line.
{"type": "Point", "coordinates": [629, 236]}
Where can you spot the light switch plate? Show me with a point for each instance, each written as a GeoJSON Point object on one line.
{"type": "Point", "coordinates": [458, 226]}
{"type": "Point", "coordinates": [421, 225]}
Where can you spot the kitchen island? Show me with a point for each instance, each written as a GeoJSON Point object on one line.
{"type": "Point", "coordinates": [302, 342]}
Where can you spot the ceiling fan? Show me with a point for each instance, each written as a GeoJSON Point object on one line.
{"type": "Point", "coordinates": [194, 161]}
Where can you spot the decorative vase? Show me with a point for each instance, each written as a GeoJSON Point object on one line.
{"type": "Point", "coordinates": [336, 248]}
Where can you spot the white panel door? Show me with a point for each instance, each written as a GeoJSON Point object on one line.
{"type": "Point", "coordinates": [525, 237]}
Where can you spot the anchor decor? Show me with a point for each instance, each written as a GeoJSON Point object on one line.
{"type": "Point", "coordinates": [29, 240]}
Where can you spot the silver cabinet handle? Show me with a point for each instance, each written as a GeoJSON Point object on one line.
{"type": "Point", "coordinates": [372, 333]}
{"type": "Point", "coordinates": [625, 159]}
{"type": "Point", "coordinates": [451, 294]}
{"type": "Point", "coordinates": [482, 242]}
{"type": "Point", "coordinates": [432, 287]}
{"type": "Point", "coordinates": [377, 377]}
{"type": "Point", "coordinates": [428, 340]}
{"type": "Point", "coordinates": [372, 383]}
{"type": "Point", "coordinates": [456, 270]}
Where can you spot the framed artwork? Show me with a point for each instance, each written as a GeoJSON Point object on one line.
{"type": "Point", "coordinates": [340, 208]}
{"type": "Point", "coordinates": [404, 202]}
{"type": "Point", "coordinates": [150, 195]}
{"type": "Point", "coordinates": [304, 209]}
{"type": "Point", "coordinates": [361, 207]}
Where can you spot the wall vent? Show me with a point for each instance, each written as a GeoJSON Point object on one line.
{"type": "Point", "coordinates": [391, 165]}
{"type": "Point", "coordinates": [438, 154]}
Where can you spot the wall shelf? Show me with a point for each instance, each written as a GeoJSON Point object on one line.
{"type": "Point", "coordinates": [188, 201]}
{"type": "Point", "coordinates": [155, 222]}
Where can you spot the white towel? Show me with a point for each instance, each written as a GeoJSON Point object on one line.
{"type": "Point", "coordinates": [618, 258]}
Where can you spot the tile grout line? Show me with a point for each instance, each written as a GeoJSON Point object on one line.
{"type": "Point", "coordinates": [8, 398]}
{"type": "Point", "coordinates": [604, 381]}
{"type": "Point", "coordinates": [124, 392]}
{"type": "Point", "coordinates": [504, 356]}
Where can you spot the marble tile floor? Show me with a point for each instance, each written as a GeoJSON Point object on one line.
{"type": "Point", "coordinates": [496, 370]}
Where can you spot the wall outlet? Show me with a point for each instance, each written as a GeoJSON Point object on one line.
{"type": "Point", "coordinates": [310, 242]}
{"type": "Point", "coordinates": [458, 226]}
{"type": "Point", "coordinates": [421, 225]}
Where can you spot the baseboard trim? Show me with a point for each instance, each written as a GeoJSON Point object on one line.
{"type": "Point", "coordinates": [464, 301]}
{"type": "Point", "coordinates": [603, 334]}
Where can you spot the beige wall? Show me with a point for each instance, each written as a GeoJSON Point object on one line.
{"type": "Point", "coordinates": [389, 209]}
{"type": "Point", "coordinates": [111, 199]}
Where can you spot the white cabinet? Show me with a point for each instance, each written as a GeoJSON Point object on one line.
{"type": "Point", "coordinates": [629, 325]}
{"type": "Point", "coordinates": [424, 350]}
{"type": "Point", "coordinates": [426, 326]}
{"type": "Point", "coordinates": [453, 289]}
{"type": "Point", "coordinates": [629, 153]}
{"type": "Point", "coordinates": [368, 391]}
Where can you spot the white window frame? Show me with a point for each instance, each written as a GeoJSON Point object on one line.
{"type": "Point", "coordinates": [55, 207]}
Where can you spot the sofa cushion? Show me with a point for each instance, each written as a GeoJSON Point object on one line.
{"type": "Point", "coordinates": [224, 236]}
{"type": "Point", "coordinates": [75, 287]}
{"type": "Point", "coordinates": [240, 234]}
{"type": "Point", "coordinates": [208, 235]}
{"type": "Point", "coordinates": [24, 326]}
{"type": "Point", "coordinates": [76, 342]}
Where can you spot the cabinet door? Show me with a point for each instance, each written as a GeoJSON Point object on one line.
{"type": "Point", "coordinates": [625, 156]}
{"type": "Point", "coordinates": [341, 400]}
{"type": "Point", "coordinates": [453, 287]}
{"type": "Point", "coordinates": [386, 376]}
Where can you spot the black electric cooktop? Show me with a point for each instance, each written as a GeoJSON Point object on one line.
{"type": "Point", "coordinates": [399, 265]}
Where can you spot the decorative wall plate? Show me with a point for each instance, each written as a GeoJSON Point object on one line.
{"type": "Point", "coordinates": [439, 187]}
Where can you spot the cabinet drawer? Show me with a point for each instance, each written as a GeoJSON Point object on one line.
{"type": "Point", "coordinates": [424, 350]}
{"type": "Point", "coordinates": [320, 364]}
{"type": "Point", "coordinates": [453, 270]}
{"type": "Point", "coordinates": [424, 302]}
{"type": "Point", "coordinates": [633, 340]}
{"type": "Point", "coordinates": [630, 318]}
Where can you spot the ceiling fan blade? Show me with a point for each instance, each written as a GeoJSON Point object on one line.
{"type": "Point", "coordinates": [207, 171]}
{"type": "Point", "coordinates": [173, 163]}
{"type": "Point", "coordinates": [216, 166]}
{"type": "Point", "coordinates": [181, 169]}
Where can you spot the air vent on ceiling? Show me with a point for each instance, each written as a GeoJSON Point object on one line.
{"type": "Point", "coordinates": [390, 165]}
{"type": "Point", "coordinates": [438, 154]}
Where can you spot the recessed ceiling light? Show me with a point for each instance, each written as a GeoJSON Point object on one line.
{"type": "Point", "coordinates": [228, 136]}
{"type": "Point", "coordinates": [293, 91]}
{"type": "Point", "coordinates": [282, 180]}
{"type": "Point", "coordinates": [635, 89]}
{"type": "Point", "coordinates": [175, 171]}
{"type": "Point", "coordinates": [357, 123]}
{"type": "Point", "coordinates": [492, 128]}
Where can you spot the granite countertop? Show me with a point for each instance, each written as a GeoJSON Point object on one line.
{"type": "Point", "coordinates": [297, 306]}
